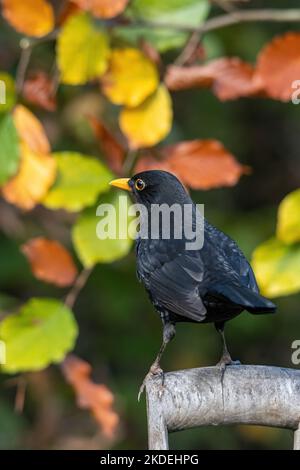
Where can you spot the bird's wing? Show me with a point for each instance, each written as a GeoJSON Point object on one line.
{"type": "Point", "coordinates": [232, 258]}
{"type": "Point", "coordinates": [173, 284]}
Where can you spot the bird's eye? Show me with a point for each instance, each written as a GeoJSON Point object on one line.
{"type": "Point", "coordinates": [139, 184]}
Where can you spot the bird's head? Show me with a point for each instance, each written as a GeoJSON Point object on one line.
{"type": "Point", "coordinates": [154, 187]}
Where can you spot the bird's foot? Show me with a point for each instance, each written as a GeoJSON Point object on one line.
{"type": "Point", "coordinates": [154, 371]}
{"type": "Point", "coordinates": [226, 361]}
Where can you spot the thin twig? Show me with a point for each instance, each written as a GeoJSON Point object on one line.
{"type": "Point", "coordinates": [78, 285]}
{"type": "Point", "coordinates": [27, 46]}
{"type": "Point", "coordinates": [266, 15]}
{"type": "Point", "coordinates": [189, 49]}
{"type": "Point", "coordinates": [26, 51]}
{"type": "Point", "coordinates": [129, 162]}
{"type": "Point", "coordinates": [20, 395]}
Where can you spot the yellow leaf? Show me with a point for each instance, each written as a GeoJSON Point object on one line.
{"type": "Point", "coordinates": [30, 17]}
{"type": "Point", "coordinates": [149, 123]}
{"type": "Point", "coordinates": [288, 225]}
{"type": "Point", "coordinates": [277, 268]}
{"type": "Point", "coordinates": [36, 174]}
{"type": "Point", "coordinates": [82, 50]}
{"type": "Point", "coordinates": [30, 130]}
{"type": "Point", "coordinates": [131, 77]}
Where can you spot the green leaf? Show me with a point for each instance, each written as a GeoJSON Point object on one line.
{"type": "Point", "coordinates": [89, 247]}
{"type": "Point", "coordinates": [277, 268]}
{"type": "Point", "coordinates": [82, 50]}
{"type": "Point", "coordinates": [7, 92]}
{"type": "Point", "coordinates": [173, 12]}
{"type": "Point", "coordinates": [9, 148]}
{"type": "Point", "coordinates": [43, 331]}
{"type": "Point", "coordinates": [80, 180]}
{"type": "Point", "coordinates": [288, 224]}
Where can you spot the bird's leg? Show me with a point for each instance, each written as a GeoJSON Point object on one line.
{"type": "Point", "coordinates": [155, 369]}
{"type": "Point", "coordinates": [226, 358]}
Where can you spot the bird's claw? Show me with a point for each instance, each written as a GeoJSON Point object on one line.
{"type": "Point", "coordinates": [154, 371]}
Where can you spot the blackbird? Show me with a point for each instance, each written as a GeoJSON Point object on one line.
{"type": "Point", "coordinates": [212, 284]}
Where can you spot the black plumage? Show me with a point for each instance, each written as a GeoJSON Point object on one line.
{"type": "Point", "coordinates": [211, 284]}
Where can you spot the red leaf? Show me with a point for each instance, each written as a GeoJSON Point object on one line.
{"type": "Point", "coordinates": [278, 65]}
{"type": "Point", "coordinates": [199, 164]}
{"type": "Point", "coordinates": [50, 261]}
{"type": "Point", "coordinates": [112, 149]}
{"type": "Point", "coordinates": [102, 8]}
{"type": "Point", "coordinates": [39, 90]}
{"type": "Point", "coordinates": [229, 78]}
{"type": "Point", "coordinates": [95, 397]}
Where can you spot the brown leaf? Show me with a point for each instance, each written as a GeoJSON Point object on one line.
{"type": "Point", "coordinates": [229, 78]}
{"type": "Point", "coordinates": [102, 8]}
{"type": "Point", "coordinates": [278, 65]}
{"type": "Point", "coordinates": [39, 90]}
{"type": "Point", "coordinates": [96, 397]}
{"type": "Point", "coordinates": [50, 261]}
{"type": "Point", "coordinates": [113, 151]}
{"type": "Point", "coordinates": [199, 164]}
{"type": "Point", "coordinates": [68, 9]}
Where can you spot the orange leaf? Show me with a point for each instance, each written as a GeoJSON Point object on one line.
{"type": "Point", "coordinates": [199, 164]}
{"type": "Point", "coordinates": [102, 8]}
{"type": "Point", "coordinates": [278, 65]}
{"type": "Point", "coordinates": [30, 130]}
{"type": "Point", "coordinates": [113, 151]}
{"type": "Point", "coordinates": [50, 261]}
{"type": "Point", "coordinates": [30, 17]}
{"type": "Point", "coordinates": [96, 397]}
{"type": "Point", "coordinates": [39, 90]}
{"type": "Point", "coordinates": [36, 174]}
{"type": "Point", "coordinates": [229, 78]}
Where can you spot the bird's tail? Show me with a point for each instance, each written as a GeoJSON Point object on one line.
{"type": "Point", "coordinates": [246, 298]}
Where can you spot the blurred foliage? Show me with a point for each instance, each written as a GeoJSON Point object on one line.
{"type": "Point", "coordinates": [60, 147]}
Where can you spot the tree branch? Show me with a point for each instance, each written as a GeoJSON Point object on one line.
{"type": "Point", "coordinates": [260, 395]}
{"type": "Point", "coordinates": [228, 19]}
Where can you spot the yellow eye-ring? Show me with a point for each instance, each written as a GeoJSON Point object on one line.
{"type": "Point", "coordinates": [139, 184]}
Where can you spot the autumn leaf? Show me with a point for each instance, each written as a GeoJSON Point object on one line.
{"type": "Point", "coordinates": [30, 130]}
{"type": "Point", "coordinates": [38, 89]}
{"type": "Point", "coordinates": [149, 123]}
{"type": "Point", "coordinates": [92, 396]}
{"type": "Point", "coordinates": [36, 175]}
{"type": "Point", "coordinates": [199, 164]}
{"type": "Point", "coordinates": [112, 150]}
{"type": "Point", "coordinates": [82, 50]}
{"type": "Point", "coordinates": [90, 248]}
{"type": "Point", "coordinates": [277, 268]}
{"type": "Point", "coordinates": [30, 17]}
{"type": "Point", "coordinates": [50, 261]}
{"type": "Point", "coordinates": [80, 179]}
{"type": "Point", "coordinates": [288, 223]}
{"type": "Point", "coordinates": [9, 149]}
{"type": "Point", "coordinates": [229, 78]}
{"type": "Point", "coordinates": [10, 92]}
{"type": "Point", "coordinates": [278, 66]}
{"type": "Point", "coordinates": [43, 331]}
{"type": "Point", "coordinates": [131, 77]}
{"type": "Point", "coordinates": [102, 8]}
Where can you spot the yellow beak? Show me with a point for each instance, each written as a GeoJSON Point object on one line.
{"type": "Point", "coordinates": [121, 183]}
